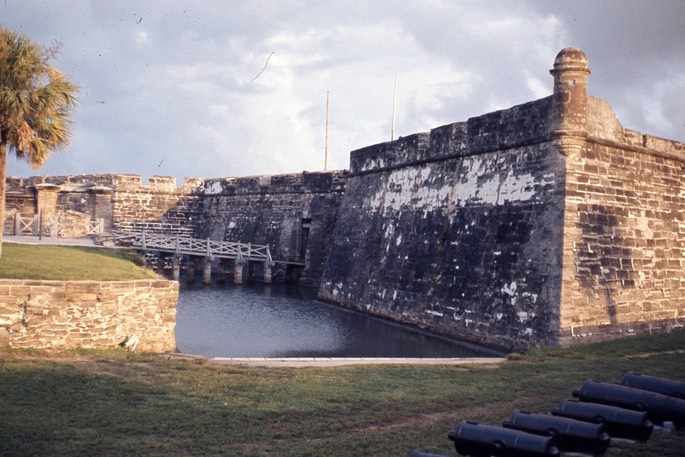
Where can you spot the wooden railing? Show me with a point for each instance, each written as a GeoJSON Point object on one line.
{"type": "Point", "coordinates": [194, 246]}
{"type": "Point", "coordinates": [25, 225]}
{"type": "Point", "coordinates": [31, 226]}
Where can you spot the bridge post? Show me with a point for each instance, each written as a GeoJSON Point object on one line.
{"type": "Point", "coordinates": [268, 272]}
{"type": "Point", "coordinates": [175, 268]}
{"type": "Point", "coordinates": [207, 271]}
{"type": "Point", "coordinates": [238, 271]}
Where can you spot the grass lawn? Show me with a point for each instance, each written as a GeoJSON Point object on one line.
{"type": "Point", "coordinates": [30, 261]}
{"type": "Point", "coordinates": [113, 403]}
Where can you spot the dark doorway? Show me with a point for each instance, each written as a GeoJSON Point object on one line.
{"type": "Point", "coordinates": [304, 236]}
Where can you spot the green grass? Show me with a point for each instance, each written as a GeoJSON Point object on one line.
{"type": "Point", "coordinates": [25, 261]}
{"type": "Point", "coordinates": [110, 403]}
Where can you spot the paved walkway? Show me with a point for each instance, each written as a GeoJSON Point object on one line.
{"type": "Point", "coordinates": [338, 362]}
{"type": "Point", "coordinates": [49, 240]}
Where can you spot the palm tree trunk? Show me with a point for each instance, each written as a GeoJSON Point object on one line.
{"type": "Point", "coordinates": [3, 183]}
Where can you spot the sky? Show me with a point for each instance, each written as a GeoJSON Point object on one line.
{"type": "Point", "coordinates": [222, 88]}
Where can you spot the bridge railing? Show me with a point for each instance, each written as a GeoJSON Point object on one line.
{"type": "Point", "coordinates": [195, 246]}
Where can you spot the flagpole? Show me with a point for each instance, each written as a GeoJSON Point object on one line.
{"type": "Point", "coordinates": [325, 160]}
{"type": "Point", "coordinates": [394, 109]}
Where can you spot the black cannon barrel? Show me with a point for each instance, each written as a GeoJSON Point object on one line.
{"type": "Point", "coordinates": [477, 440]}
{"type": "Point", "coordinates": [653, 384]}
{"type": "Point", "coordinates": [570, 434]}
{"type": "Point", "coordinates": [660, 408]}
{"type": "Point", "coordinates": [619, 422]}
{"type": "Point", "coordinates": [419, 453]}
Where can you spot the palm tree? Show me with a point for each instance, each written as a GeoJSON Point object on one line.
{"type": "Point", "coordinates": [36, 102]}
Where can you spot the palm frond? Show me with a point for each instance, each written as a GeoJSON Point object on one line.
{"type": "Point", "coordinates": [36, 99]}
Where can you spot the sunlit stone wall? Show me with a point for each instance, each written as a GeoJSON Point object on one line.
{"type": "Point", "coordinates": [624, 244]}
{"type": "Point", "coordinates": [88, 314]}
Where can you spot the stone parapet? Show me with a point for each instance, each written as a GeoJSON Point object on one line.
{"type": "Point", "coordinates": [519, 126]}
{"type": "Point", "coordinates": [297, 183]}
{"type": "Point", "coordinates": [88, 314]}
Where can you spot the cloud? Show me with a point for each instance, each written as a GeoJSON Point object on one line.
{"type": "Point", "coordinates": [174, 83]}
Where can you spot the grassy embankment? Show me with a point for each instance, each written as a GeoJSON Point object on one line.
{"type": "Point", "coordinates": [27, 261]}
{"type": "Point", "coordinates": [113, 403]}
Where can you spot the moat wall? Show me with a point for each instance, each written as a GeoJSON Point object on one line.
{"type": "Point", "coordinates": [294, 214]}
{"type": "Point", "coordinates": [546, 223]}
{"type": "Point", "coordinates": [457, 230]}
{"type": "Point", "coordinates": [88, 314]}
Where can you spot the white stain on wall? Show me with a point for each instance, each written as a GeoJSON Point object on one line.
{"type": "Point", "coordinates": [416, 188]}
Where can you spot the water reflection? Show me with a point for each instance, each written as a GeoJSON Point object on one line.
{"type": "Point", "coordinates": [259, 320]}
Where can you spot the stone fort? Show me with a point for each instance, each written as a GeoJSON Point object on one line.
{"type": "Point", "coordinates": [545, 223]}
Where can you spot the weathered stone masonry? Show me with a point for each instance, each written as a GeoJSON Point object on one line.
{"type": "Point", "coordinates": [458, 230]}
{"type": "Point", "coordinates": [294, 214]}
{"type": "Point", "coordinates": [122, 202]}
{"type": "Point", "coordinates": [544, 223]}
{"type": "Point", "coordinates": [87, 314]}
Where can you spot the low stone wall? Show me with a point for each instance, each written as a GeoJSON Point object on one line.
{"type": "Point", "coordinates": [88, 314]}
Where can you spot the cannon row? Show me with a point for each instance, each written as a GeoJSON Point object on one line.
{"type": "Point", "coordinates": [626, 410]}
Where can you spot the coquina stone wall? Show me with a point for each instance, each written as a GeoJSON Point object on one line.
{"type": "Point", "coordinates": [158, 206]}
{"type": "Point", "coordinates": [624, 243]}
{"type": "Point", "coordinates": [293, 213]}
{"type": "Point", "coordinates": [88, 314]}
{"type": "Point", "coordinates": [120, 202]}
{"type": "Point", "coordinates": [457, 230]}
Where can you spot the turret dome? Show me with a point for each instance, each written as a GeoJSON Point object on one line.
{"type": "Point", "coordinates": [571, 59]}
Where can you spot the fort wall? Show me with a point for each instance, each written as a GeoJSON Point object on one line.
{"type": "Point", "coordinates": [544, 223]}
{"type": "Point", "coordinates": [292, 213]}
{"type": "Point", "coordinates": [624, 244]}
{"type": "Point", "coordinates": [121, 202]}
{"type": "Point", "coordinates": [457, 230]}
{"type": "Point", "coordinates": [158, 206]}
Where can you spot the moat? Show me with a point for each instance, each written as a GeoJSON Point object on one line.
{"type": "Point", "coordinates": [258, 320]}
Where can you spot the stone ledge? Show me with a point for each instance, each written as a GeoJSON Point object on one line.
{"type": "Point", "coordinates": [71, 315]}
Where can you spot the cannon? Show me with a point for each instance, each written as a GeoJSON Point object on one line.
{"type": "Point", "coordinates": [659, 408]}
{"type": "Point", "coordinates": [619, 422]}
{"type": "Point", "coordinates": [654, 384]}
{"type": "Point", "coordinates": [569, 435]}
{"type": "Point", "coordinates": [477, 440]}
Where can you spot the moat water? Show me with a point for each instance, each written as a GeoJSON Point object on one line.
{"type": "Point", "coordinates": [260, 320]}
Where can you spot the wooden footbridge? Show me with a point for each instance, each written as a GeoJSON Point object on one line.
{"type": "Point", "coordinates": [178, 244]}
{"type": "Point", "coordinates": [243, 254]}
